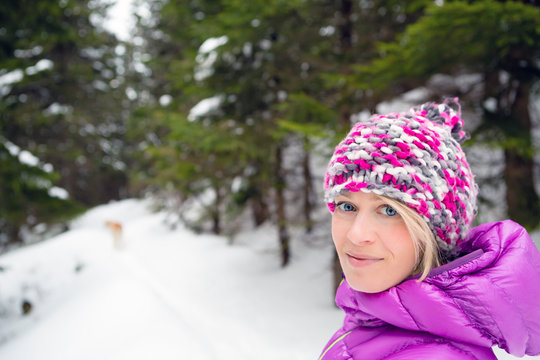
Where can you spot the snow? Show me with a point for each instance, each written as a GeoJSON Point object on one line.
{"type": "Point", "coordinates": [168, 294]}
{"type": "Point", "coordinates": [404, 102]}
{"type": "Point", "coordinates": [57, 109]}
{"type": "Point", "coordinates": [8, 79]}
{"type": "Point", "coordinates": [26, 157]}
{"type": "Point", "coordinates": [41, 65]}
{"type": "Point", "coordinates": [120, 19]}
{"type": "Point", "coordinates": [11, 77]}
{"type": "Point", "coordinates": [59, 192]}
{"type": "Point", "coordinates": [165, 100]}
{"type": "Point", "coordinates": [28, 53]}
{"type": "Point", "coordinates": [211, 44]}
{"type": "Point", "coordinates": [327, 31]}
{"type": "Point", "coordinates": [207, 56]}
{"type": "Point", "coordinates": [205, 107]}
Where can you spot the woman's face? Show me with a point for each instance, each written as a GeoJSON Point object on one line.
{"type": "Point", "coordinates": [374, 246]}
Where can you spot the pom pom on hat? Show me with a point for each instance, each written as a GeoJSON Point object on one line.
{"type": "Point", "coordinates": [415, 158]}
{"type": "Point", "coordinates": [444, 114]}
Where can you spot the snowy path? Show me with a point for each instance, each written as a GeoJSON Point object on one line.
{"type": "Point", "coordinates": [112, 312]}
{"type": "Point", "coordinates": [167, 295]}
{"type": "Point", "coordinates": [237, 298]}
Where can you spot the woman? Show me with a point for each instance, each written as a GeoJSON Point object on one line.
{"type": "Point", "coordinates": [418, 284]}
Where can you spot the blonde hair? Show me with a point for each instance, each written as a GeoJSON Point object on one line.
{"type": "Point", "coordinates": [425, 246]}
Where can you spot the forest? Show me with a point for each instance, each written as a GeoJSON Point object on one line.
{"type": "Point", "coordinates": [224, 111]}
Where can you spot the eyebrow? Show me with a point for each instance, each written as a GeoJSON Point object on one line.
{"type": "Point", "coordinates": [344, 195]}
{"type": "Point", "coordinates": [372, 196]}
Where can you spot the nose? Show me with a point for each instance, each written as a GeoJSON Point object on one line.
{"type": "Point", "coordinates": [363, 230]}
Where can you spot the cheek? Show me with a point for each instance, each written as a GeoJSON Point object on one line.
{"type": "Point", "coordinates": [403, 249]}
{"type": "Point", "coordinates": [339, 231]}
{"type": "Point", "coordinates": [394, 237]}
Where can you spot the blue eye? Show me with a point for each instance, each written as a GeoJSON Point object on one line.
{"type": "Point", "coordinates": [347, 207]}
{"type": "Point", "coordinates": [390, 211]}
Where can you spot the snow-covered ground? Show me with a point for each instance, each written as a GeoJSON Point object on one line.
{"type": "Point", "coordinates": [168, 294]}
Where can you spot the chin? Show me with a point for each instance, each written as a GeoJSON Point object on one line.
{"type": "Point", "coordinates": [365, 287]}
{"type": "Point", "coordinates": [368, 289]}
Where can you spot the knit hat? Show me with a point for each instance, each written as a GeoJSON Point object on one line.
{"type": "Point", "coordinates": [415, 158]}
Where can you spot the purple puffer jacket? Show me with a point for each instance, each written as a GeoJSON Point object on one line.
{"type": "Point", "coordinates": [491, 296]}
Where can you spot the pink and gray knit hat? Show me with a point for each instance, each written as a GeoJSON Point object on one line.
{"type": "Point", "coordinates": [415, 158]}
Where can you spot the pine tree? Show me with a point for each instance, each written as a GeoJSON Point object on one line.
{"type": "Point", "coordinates": [66, 108]}
{"type": "Point", "coordinates": [61, 99]}
{"type": "Point", "coordinates": [27, 195]}
{"type": "Point", "coordinates": [277, 73]}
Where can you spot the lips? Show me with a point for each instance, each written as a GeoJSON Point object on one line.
{"type": "Point", "coordinates": [361, 260]}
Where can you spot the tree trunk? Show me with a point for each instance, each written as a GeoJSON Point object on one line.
{"type": "Point", "coordinates": [345, 27]}
{"type": "Point", "coordinates": [521, 197]}
{"type": "Point", "coordinates": [216, 223]}
{"type": "Point", "coordinates": [279, 187]}
{"type": "Point", "coordinates": [13, 234]}
{"type": "Point", "coordinates": [215, 213]}
{"type": "Point", "coordinates": [259, 207]}
{"type": "Point", "coordinates": [308, 188]}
